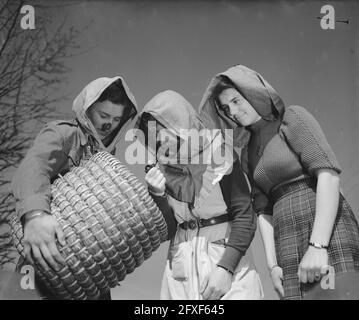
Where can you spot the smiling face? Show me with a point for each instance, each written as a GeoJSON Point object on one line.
{"type": "Point", "coordinates": [105, 117]}
{"type": "Point", "coordinates": [237, 108]}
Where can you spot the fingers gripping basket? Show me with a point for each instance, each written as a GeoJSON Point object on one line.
{"type": "Point", "coordinates": [111, 225]}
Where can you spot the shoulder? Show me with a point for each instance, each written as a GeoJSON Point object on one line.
{"type": "Point", "coordinates": [297, 114]}
{"type": "Point", "coordinates": [64, 124]}
{"type": "Point", "coordinates": [63, 127]}
{"type": "Point", "coordinates": [297, 119]}
{"type": "Point", "coordinates": [65, 132]}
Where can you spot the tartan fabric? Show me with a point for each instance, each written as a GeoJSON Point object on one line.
{"type": "Point", "coordinates": [293, 218]}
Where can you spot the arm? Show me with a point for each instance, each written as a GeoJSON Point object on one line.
{"type": "Point", "coordinates": [167, 212]}
{"type": "Point", "coordinates": [266, 229]}
{"type": "Point", "coordinates": [264, 207]}
{"type": "Point", "coordinates": [243, 228]}
{"type": "Point", "coordinates": [306, 138]}
{"type": "Point", "coordinates": [327, 201]}
{"type": "Point", "coordinates": [276, 273]}
{"type": "Point", "coordinates": [31, 181]}
{"type": "Point", "coordinates": [244, 220]}
{"type": "Point", "coordinates": [156, 185]}
{"type": "Point", "coordinates": [31, 189]}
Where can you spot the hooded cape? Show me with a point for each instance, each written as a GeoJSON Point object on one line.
{"type": "Point", "coordinates": [87, 97]}
{"type": "Point", "coordinates": [184, 173]}
{"type": "Point", "coordinates": [254, 88]}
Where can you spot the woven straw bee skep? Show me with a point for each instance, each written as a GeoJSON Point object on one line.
{"type": "Point", "coordinates": [111, 225]}
{"type": "Point", "coordinates": [140, 190]}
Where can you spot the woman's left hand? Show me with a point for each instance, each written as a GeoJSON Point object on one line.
{"type": "Point", "coordinates": [313, 264]}
{"type": "Point", "coordinates": [156, 181]}
{"type": "Point", "coordinates": [218, 284]}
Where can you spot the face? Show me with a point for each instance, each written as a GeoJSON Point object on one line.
{"type": "Point", "coordinates": [167, 140]}
{"type": "Point", "coordinates": [105, 117]}
{"type": "Point", "coordinates": [236, 107]}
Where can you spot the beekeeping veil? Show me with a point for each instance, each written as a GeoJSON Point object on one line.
{"type": "Point", "coordinates": [193, 151]}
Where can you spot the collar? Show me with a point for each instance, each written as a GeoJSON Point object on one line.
{"type": "Point", "coordinates": [83, 137]}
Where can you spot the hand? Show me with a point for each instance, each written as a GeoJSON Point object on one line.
{"type": "Point", "coordinates": [218, 284]}
{"type": "Point", "coordinates": [313, 264]}
{"type": "Point", "coordinates": [277, 279]}
{"type": "Point", "coordinates": [156, 181]}
{"type": "Point", "coordinates": [39, 238]}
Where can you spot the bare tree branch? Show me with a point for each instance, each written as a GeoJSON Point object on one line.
{"type": "Point", "coordinates": [32, 65]}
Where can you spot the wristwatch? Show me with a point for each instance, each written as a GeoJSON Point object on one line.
{"type": "Point", "coordinates": [318, 245]}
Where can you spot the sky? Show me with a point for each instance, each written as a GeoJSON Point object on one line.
{"type": "Point", "coordinates": [181, 45]}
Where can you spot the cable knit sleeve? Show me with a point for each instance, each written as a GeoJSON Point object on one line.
{"type": "Point", "coordinates": [306, 138]}
{"type": "Point", "coordinates": [244, 222]}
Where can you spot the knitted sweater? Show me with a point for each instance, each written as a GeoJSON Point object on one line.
{"type": "Point", "coordinates": [297, 149]}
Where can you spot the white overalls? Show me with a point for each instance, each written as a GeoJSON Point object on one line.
{"type": "Point", "coordinates": [193, 253]}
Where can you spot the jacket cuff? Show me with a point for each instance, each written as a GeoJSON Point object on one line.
{"type": "Point", "coordinates": [156, 194]}
{"type": "Point", "coordinates": [167, 213]}
{"type": "Point", "coordinates": [160, 200]}
{"type": "Point", "coordinates": [37, 201]}
{"type": "Point", "coordinates": [230, 258]}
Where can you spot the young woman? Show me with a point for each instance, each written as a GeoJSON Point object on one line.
{"type": "Point", "coordinates": [103, 111]}
{"type": "Point", "coordinates": [211, 210]}
{"type": "Point", "coordinates": [306, 224]}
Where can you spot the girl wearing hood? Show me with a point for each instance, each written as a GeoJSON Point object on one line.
{"type": "Point", "coordinates": [305, 222]}
{"type": "Point", "coordinates": [209, 216]}
{"type": "Point", "coordinates": [103, 111]}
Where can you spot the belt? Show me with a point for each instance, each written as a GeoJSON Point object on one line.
{"type": "Point", "coordinates": [200, 223]}
{"type": "Point", "coordinates": [293, 186]}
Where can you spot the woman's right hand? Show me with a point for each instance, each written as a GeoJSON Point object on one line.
{"type": "Point", "coordinates": [277, 279]}
{"type": "Point", "coordinates": [156, 181]}
{"type": "Point", "coordinates": [40, 235]}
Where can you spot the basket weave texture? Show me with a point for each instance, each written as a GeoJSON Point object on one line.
{"type": "Point", "coordinates": [111, 225]}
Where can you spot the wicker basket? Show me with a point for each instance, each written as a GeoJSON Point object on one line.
{"type": "Point", "coordinates": [111, 225]}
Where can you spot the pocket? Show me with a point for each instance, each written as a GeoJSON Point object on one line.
{"type": "Point", "coordinates": [216, 250]}
{"type": "Point", "coordinates": [220, 242]}
{"type": "Point", "coordinates": [180, 256]}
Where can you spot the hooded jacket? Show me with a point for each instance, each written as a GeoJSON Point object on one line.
{"type": "Point", "coordinates": [61, 145]}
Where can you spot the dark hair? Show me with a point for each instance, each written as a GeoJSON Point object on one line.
{"type": "Point", "coordinates": [143, 126]}
{"type": "Point", "coordinates": [116, 94]}
{"type": "Point", "coordinates": [224, 84]}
